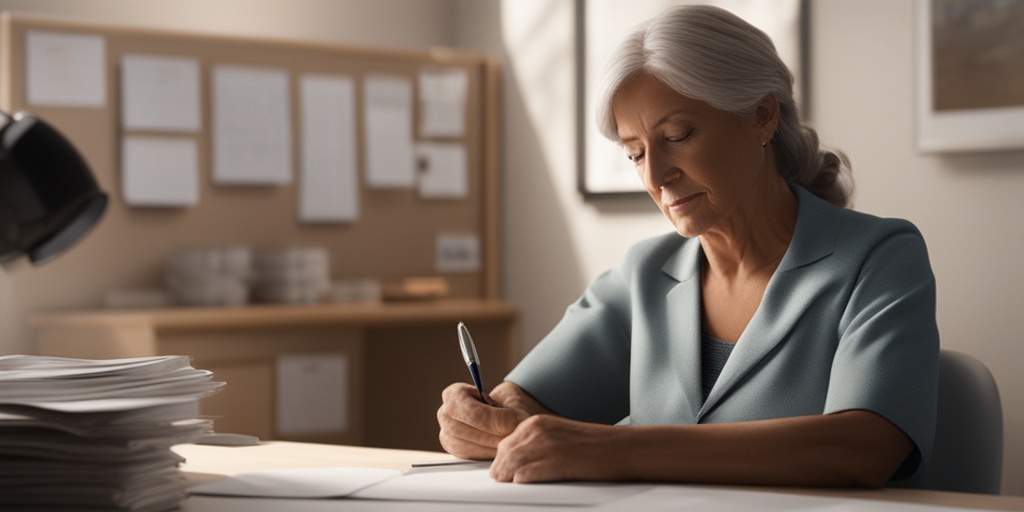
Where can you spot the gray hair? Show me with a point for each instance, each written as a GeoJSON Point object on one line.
{"type": "Point", "coordinates": [709, 54]}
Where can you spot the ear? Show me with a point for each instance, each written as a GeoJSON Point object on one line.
{"type": "Point", "coordinates": [767, 116]}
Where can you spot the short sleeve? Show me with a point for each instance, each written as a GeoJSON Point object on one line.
{"type": "Point", "coordinates": [887, 358]}
{"type": "Point", "coordinates": [581, 368]}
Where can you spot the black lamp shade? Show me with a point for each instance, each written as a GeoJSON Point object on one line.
{"type": "Point", "coordinates": [48, 196]}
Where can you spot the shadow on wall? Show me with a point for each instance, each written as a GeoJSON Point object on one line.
{"type": "Point", "coordinates": [540, 261]}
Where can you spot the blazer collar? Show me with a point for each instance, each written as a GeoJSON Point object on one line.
{"type": "Point", "coordinates": [817, 229]}
{"type": "Point", "coordinates": [814, 238]}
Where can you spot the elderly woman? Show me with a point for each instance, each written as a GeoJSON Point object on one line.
{"type": "Point", "coordinates": [775, 338]}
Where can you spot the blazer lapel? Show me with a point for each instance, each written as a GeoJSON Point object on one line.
{"type": "Point", "coordinates": [782, 306]}
{"type": "Point", "coordinates": [675, 363]}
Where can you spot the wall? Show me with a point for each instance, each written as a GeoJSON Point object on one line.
{"type": "Point", "coordinates": [861, 69]}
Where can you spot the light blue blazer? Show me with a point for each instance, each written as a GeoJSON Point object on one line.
{"type": "Point", "coordinates": [847, 322]}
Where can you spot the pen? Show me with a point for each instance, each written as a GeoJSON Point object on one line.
{"type": "Point", "coordinates": [472, 359]}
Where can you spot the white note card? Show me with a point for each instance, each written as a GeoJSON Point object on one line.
{"type": "Point", "coordinates": [443, 99]}
{"type": "Point", "coordinates": [312, 393]}
{"type": "Point", "coordinates": [389, 132]}
{"type": "Point", "coordinates": [329, 190]}
{"type": "Point", "coordinates": [160, 171]}
{"type": "Point", "coordinates": [252, 135]}
{"type": "Point", "coordinates": [67, 70]}
{"type": "Point", "coordinates": [160, 93]}
{"type": "Point", "coordinates": [458, 252]}
{"type": "Point", "coordinates": [443, 173]}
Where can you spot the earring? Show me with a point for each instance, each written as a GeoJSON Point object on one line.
{"type": "Point", "coordinates": [764, 144]}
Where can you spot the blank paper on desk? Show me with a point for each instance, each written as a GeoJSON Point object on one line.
{"type": "Point", "coordinates": [297, 483]}
{"type": "Point", "coordinates": [312, 391]}
{"type": "Point", "coordinates": [472, 483]}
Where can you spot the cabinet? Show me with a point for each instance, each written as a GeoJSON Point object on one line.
{"type": "Point", "coordinates": [398, 358]}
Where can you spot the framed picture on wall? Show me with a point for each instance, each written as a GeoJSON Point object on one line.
{"type": "Point", "coordinates": [603, 169]}
{"type": "Point", "coordinates": [970, 71]}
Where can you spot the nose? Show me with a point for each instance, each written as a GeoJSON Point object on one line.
{"type": "Point", "coordinates": [658, 170]}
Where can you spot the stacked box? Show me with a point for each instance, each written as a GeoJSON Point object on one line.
{"type": "Point", "coordinates": [294, 275]}
{"type": "Point", "coordinates": [210, 276]}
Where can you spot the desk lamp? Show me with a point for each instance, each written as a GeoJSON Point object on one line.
{"type": "Point", "coordinates": [48, 196]}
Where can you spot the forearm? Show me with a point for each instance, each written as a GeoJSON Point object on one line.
{"type": "Point", "coordinates": [853, 448]}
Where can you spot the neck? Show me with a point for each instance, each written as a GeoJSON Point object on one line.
{"type": "Point", "coordinates": [753, 239]}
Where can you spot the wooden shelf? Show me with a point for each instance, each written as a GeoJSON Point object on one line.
{"type": "Point", "coordinates": [338, 314]}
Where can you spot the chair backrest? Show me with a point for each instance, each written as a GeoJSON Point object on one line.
{"type": "Point", "coordinates": [968, 451]}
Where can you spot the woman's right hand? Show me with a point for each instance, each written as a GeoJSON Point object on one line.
{"type": "Point", "coordinates": [471, 429]}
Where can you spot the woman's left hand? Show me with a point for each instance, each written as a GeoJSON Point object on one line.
{"type": "Point", "coordinates": [544, 448]}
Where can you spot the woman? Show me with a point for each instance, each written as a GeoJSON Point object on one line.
{"type": "Point", "coordinates": [781, 339]}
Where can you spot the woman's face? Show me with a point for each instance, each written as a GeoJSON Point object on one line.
{"type": "Point", "coordinates": [698, 163]}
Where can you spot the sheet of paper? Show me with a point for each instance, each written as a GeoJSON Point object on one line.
{"type": "Point", "coordinates": [443, 173]}
{"type": "Point", "coordinates": [329, 189]}
{"type": "Point", "coordinates": [300, 408]}
{"type": "Point", "coordinates": [443, 99]}
{"type": "Point", "coordinates": [389, 132]}
{"type": "Point", "coordinates": [160, 171]}
{"type": "Point", "coordinates": [252, 135]}
{"type": "Point", "coordinates": [473, 483]}
{"type": "Point", "coordinates": [297, 482]}
{"type": "Point", "coordinates": [160, 93]}
{"type": "Point", "coordinates": [67, 70]}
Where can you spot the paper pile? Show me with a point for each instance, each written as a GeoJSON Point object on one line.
{"type": "Point", "coordinates": [96, 434]}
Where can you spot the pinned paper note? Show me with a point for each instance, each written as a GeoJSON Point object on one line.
{"type": "Point", "coordinates": [443, 173]}
{"type": "Point", "coordinates": [160, 171]}
{"type": "Point", "coordinates": [252, 135]}
{"type": "Point", "coordinates": [160, 93]}
{"type": "Point", "coordinates": [65, 69]}
{"type": "Point", "coordinates": [458, 252]}
{"type": "Point", "coordinates": [443, 100]}
{"type": "Point", "coordinates": [329, 190]}
{"type": "Point", "coordinates": [389, 132]}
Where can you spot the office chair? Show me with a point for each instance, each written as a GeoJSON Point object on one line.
{"type": "Point", "coordinates": [968, 451]}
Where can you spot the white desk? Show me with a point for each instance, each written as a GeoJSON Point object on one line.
{"type": "Point", "coordinates": [208, 463]}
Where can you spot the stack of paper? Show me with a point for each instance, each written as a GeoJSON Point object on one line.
{"type": "Point", "coordinates": [96, 434]}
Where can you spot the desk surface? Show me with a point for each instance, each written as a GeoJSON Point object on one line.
{"type": "Point", "coordinates": [209, 463]}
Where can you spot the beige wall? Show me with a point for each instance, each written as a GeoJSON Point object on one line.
{"type": "Point", "coordinates": [861, 99]}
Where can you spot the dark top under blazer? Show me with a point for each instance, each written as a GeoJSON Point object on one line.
{"type": "Point", "coordinates": [847, 322]}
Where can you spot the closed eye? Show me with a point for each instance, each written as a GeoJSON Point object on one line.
{"type": "Point", "coordinates": [636, 158]}
{"type": "Point", "coordinates": [679, 138]}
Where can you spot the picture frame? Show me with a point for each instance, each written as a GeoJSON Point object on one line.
{"type": "Point", "coordinates": [603, 170]}
{"type": "Point", "coordinates": [967, 58]}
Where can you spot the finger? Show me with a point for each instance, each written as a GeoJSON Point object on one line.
{"type": "Point", "coordinates": [455, 428]}
{"type": "Point", "coordinates": [461, 402]}
{"type": "Point", "coordinates": [463, 448]}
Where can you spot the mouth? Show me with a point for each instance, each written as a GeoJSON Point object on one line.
{"type": "Point", "coordinates": [683, 202]}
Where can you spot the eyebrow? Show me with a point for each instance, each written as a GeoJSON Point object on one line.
{"type": "Point", "coordinates": [664, 119]}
